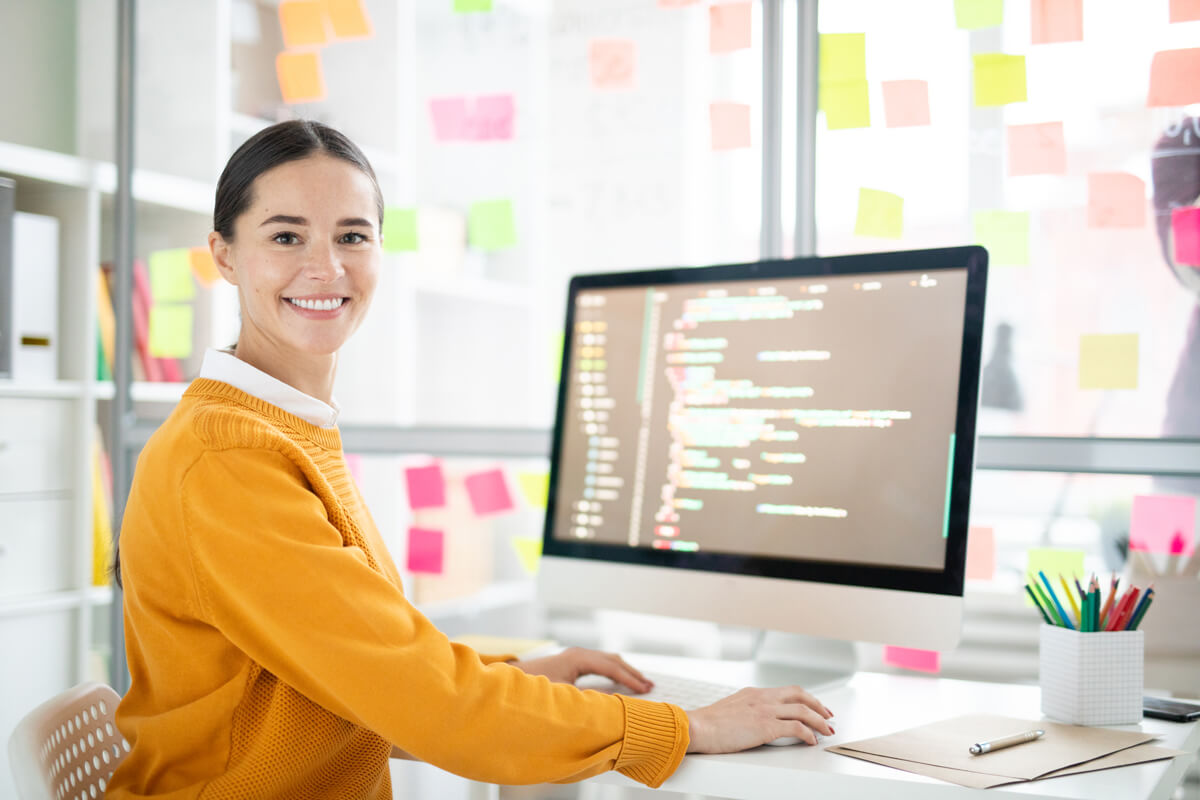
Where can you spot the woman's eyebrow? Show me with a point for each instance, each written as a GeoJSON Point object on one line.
{"type": "Point", "coordinates": [351, 222]}
{"type": "Point", "coordinates": [286, 219]}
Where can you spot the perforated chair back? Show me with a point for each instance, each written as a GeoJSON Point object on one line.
{"type": "Point", "coordinates": [68, 747]}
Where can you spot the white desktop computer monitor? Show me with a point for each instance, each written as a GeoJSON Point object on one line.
{"type": "Point", "coordinates": [784, 445]}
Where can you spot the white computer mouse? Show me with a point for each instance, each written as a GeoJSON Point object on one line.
{"type": "Point", "coordinates": [785, 740]}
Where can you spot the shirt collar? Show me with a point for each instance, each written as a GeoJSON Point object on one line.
{"type": "Point", "coordinates": [223, 366]}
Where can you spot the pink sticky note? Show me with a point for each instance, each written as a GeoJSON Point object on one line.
{"type": "Point", "coordinates": [354, 464]}
{"type": "Point", "coordinates": [981, 553]}
{"type": "Point", "coordinates": [1116, 200]}
{"type": "Point", "coordinates": [493, 117]}
{"type": "Point", "coordinates": [451, 122]}
{"type": "Point", "coordinates": [906, 103]}
{"type": "Point", "coordinates": [1173, 78]}
{"type": "Point", "coordinates": [1185, 228]}
{"type": "Point", "coordinates": [426, 550]}
{"type": "Point", "coordinates": [488, 492]}
{"type": "Point", "coordinates": [730, 125]}
{"type": "Point", "coordinates": [1056, 21]}
{"type": "Point", "coordinates": [426, 486]}
{"type": "Point", "coordinates": [611, 63]}
{"type": "Point", "coordinates": [1184, 10]}
{"type": "Point", "coordinates": [1163, 523]}
{"type": "Point", "coordinates": [729, 27]}
{"type": "Point", "coordinates": [908, 658]}
{"type": "Point", "coordinates": [1038, 149]}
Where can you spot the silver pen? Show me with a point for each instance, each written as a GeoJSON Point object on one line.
{"type": "Point", "coordinates": [1008, 741]}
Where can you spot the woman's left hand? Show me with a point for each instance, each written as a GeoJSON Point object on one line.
{"type": "Point", "coordinates": [575, 662]}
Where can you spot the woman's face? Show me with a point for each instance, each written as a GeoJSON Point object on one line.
{"type": "Point", "coordinates": [305, 256]}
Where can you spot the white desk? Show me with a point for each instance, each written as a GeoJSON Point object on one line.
{"type": "Point", "coordinates": [873, 704]}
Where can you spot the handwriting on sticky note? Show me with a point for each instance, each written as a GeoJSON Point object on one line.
{"type": "Point", "coordinates": [171, 275]}
{"type": "Point", "coordinates": [1005, 234]}
{"type": "Point", "coordinates": [400, 230]}
{"type": "Point", "coordinates": [488, 492]}
{"type": "Point", "coordinates": [170, 330]}
{"type": "Point", "coordinates": [302, 23]}
{"type": "Point", "coordinates": [426, 486]}
{"type": "Point", "coordinates": [1108, 361]}
{"type": "Point", "coordinates": [730, 125]}
{"type": "Point", "coordinates": [1116, 200]}
{"type": "Point", "coordinates": [972, 15]}
{"type": "Point", "coordinates": [905, 103]}
{"type": "Point", "coordinates": [301, 79]}
{"type": "Point", "coordinates": [611, 63]}
{"type": "Point", "coordinates": [999, 79]}
{"type": "Point", "coordinates": [729, 27]}
{"type": "Point", "coordinates": [1173, 80]}
{"type": "Point", "coordinates": [879, 214]}
{"type": "Point", "coordinates": [426, 551]}
{"type": "Point", "coordinates": [534, 486]}
{"type": "Point", "coordinates": [1163, 524]}
{"type": "Point", "coordinates": [204, 269]}
{"type": "Point", "coordinates": [529, 552]}
{"type": "Point", "coordinates": [1056, 21]}
{"type": "Point", "coordinates": [1038, 149]}
{"type": "Point", "coordinates": [1185, 235]}
{"type": "Point", "coordinates": [846, 104]}
{"type": "Point", "coordinates": [1184, 10]}
{"type": "Point", "coordinates": [491, 226]}
{"type": "Point", "coordinates": [981, 553]}
{"type": "Point", "coordinates": [348, 19]}
{"type": "Point", "coordinates": [910, 658]}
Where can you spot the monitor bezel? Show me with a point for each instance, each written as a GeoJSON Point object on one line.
{"type": "Point", "coordinates": [946, 581]}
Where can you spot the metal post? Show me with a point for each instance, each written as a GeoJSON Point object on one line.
{"type": "Point", "coordinates": [770, 243]}
{"type": "Point", "coordinates": [807, 51]}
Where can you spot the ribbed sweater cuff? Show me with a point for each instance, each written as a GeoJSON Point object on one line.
{"type": "Point", "coordinates": [656, 738]}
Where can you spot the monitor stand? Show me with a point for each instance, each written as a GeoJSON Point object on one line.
{"type": "Point", "coordinates": [813, 662]}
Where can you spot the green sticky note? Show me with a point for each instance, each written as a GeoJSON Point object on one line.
{"type": "Point", "coordinates": [170, 330]}
{"type": "Point", "coordinates": [469, 6]}
{"type": "Point", "coordinates": [879, 214]}
{"type": "Point", "coordinates": [1005, 234]}
{"type": "Point", "coordinates": [1054, 562]}
{"type": "Point", "coordinates": [399, 229]}
{"type": "Point", "coordinates": [971, 15]}
{"type": "Point", "coordinates": [999, 79]}
{"type": "Point", "coordinates": [490, 225]}
{"type": "Point", "coordinates": [846, 104]}
{"type": "Point", "coordinates": [1108, 361]}
{"type": "Point", "coordinates": [171, 275]}
{"type": "Point", "coordinates": [843, 57]}
{"type": "Point", "coordinates": [534, 486]}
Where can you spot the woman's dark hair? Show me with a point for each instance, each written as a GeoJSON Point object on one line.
{"type": "Point", "coordinates": [265, 150]}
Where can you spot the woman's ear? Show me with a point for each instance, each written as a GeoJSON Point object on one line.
{"type": "Point", "coordinates": [222, 254]}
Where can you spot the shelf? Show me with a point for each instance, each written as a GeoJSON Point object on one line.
{"type": "Point", "coordinates": [46, 165]}
{"type": "Point", "coordinates": [41, 389]}
{"type": "Point", "coordinates": [145, 392]}
{"type": "Point", "coordinates": [40, 603]}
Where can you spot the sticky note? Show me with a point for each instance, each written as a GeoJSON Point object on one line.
{"type": "Point", "coordinates": [1163, 524]}
{"type": "Point", "coordinates": [450, 118]}
{"type": "Point", "coordinates": [611, 63]}
{"type": "Point", "coordinates": [1038, 149]}
{"type": "Point", "coordinates": [488, 492]}
{"type": "Point", "coordinates": [909, 658]}
{"type": "Point", "coordinates": [492, 119]}
{"type": "Point", "coordinates": [843, 57]}
{"type": "Point", "coordinates": [971, 15]}
{"type": "Point", "coordinates": [171, 275]}
{"type": "Point", "coordinates": [534, 486]}
{"type": "Point", "coordinates": [1184, 10]}
{"type": "Point", "coordinates": [1005, 234]}
{"type": "Point", "coordinates": [471, 6]}
{"type": "Point", "coordinates": [879, 214]}
{"type": "Point", "coordinates": [1173, 80]}
{"type": "Point", "coordinates": [1054, 561]}
{"type": "Point", "coordinates": [905, 103]}
{"type": "Point", "coordinates": [348, 19]}
{"type": "Point", "coordinates": [981, 553]}
{"type": "Point", "coordinates": [529, 551]}
{"type": "Point", "coordinates": [490, 225]}
{"type": "Point", "coordinates": [426, 550]}
{"type": "Point", "coordinates": [999, 79]}
{"type": "Point", "coordinates": [302, 22]}
{"type": "Point", "coordinates": [1108, 361]}
{"type": "Point", "coordinates": [204, 269]}
{"type": "Point", "coordinates": [846, 104]}
{"type": "Point", "coordinates": [170, 330]}
{"type": "Point", "coordinates": [730, 125]}
{"type": "Point", "coordinates": [354, 464]}
{"type": "Point", "coordinates": [1116, 200]}
{"type": "Point", "coordinates": [300, 77]}
{"type": "Point", "coordinates": [1185, 233]}
{"type": "Point", "coordinates": [1056, 21]}
{"type": "Point", "coordinates": [400, 229]}
{"type": "Point", "coordinates": [729, 27]}
{"type": "Point", "coordinates": [426, 486]}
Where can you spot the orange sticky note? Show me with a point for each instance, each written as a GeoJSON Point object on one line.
{"type": "Point", "coordinates": [426, 550]}
{"type": "Point", "coordinates": [203, 266]}
{"type": "Point", "coordinates": [1108, 361]}
{"type": "Point", "coordinates": [1056, 21]}
{"type": "Point", "coordinates": [1163, 524]}
{"type": "Point", "coordinates": [905, 103]}
{"type": "Point", "coordinates": [348, 19]}
{"type": "Point", "coordinates": [1185, 231]}
{"type": "Point", "coordinates": [909, 658]}
{"type": "Point", "coordinates": [999, 79]}
{"type": "Point", "coordinates": [1116, 200]}
{"type": "Point", "coordinates": [879, 214]}
{"type": "Point", "coordinates": [300, 77]}
{"type": "Point", "coordinates": [612, 63]}
{"type": "Point", "coordinates": [1038, 149]}
{"type": "Point", "coordinates": [981, 553]}
{"type": "Point", "coordinates": [303, 23]}
{"type": "Point", "coordinates": [729, 27]}
{"type": "Point", "coordinates": [1184, 10]}
{"type": "Point", "coordinates": [730, 124]}
{"type": "Point", "coordinates": [1175, 78]}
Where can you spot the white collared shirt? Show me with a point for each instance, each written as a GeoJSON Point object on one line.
{"type": "Point", "coordinates": [223, 366]}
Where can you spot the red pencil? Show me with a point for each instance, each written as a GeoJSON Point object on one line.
{"type": "Point", "coordinates": [1127, 604]}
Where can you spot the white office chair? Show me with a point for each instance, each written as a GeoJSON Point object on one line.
{"type": "Point", "coordinates": [68, 747]}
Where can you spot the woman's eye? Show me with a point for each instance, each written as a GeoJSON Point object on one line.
{"type": "Point", "coordinates": [353, 238]}
{"type": "Point", "coordinates": [283, 237]}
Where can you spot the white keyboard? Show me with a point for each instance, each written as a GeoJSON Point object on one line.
{"type": "Point", "coordinates": [687, 693]}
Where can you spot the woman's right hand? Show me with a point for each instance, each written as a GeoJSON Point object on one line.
{"type": "Point", "coordinates": [752, 717]}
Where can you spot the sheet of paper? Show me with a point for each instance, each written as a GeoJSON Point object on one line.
{"type": "Point", "coordinates": [302, 23]}
{"type": "Point", "coordinates": [400, 230]}
{"type": "Point", "coordinates": [847, 104]}
{"type": "Point", "coordinates": [533, 487]}
{"type": "Point", "coordinates": [1056, 21]}
{"type": "Point", "coordinates": [348, 19]}
{"type": "Point", "coordinates": [171, 276]}
{"type": "Point", "coordinates": [426, 486]}
{"type": "Point", "coordinates": [910, 658]}
{"type": "Point", "coordinates": [1005, 234]}
{"type": "Point", "coordinates": [170, 330]}
{"type": "Point", "coordinates": [492, 119]}
{"type": "Point", "coordinates": [471, 6]}
{"type": "Point", "coordinates": [981, 553]}
{"type": "Point", "coordinates": [1116, 200]}
{"type": "Point", "coordinates": [301, 79]}
{"type": "Point", "coordinates": [1108, 361]}
{"type": "Point", "coordinates": [730, 123]}
{"type": "Point", "coordinates": [729, 27]}
{"type": "Point", "coordinates": [1184, 10]}
{"type": "Point", "coordinates": [879, 214]}
{"type": "Point", "coordinates": [612, 63]}
{"type": "Point", "coordinates": [905, 103]}
{"type": "Point", "coordinates": [999, 79]}
{"type": "Point", "coordinates": [1185, 233]}
{"type": "Point", "coordinates": [204, 269]}
{"type": "Point", "coordinates": [426, 550]}
{"type": "Point", "coordinates": [450, 118]}
{"type": "Point", "coordinates": [972, 15]}
{"type": "Point", "coordinates": [1173, 78]}
{"type": "Point", "coordinates": [489, 492]}
{"type": "Point", "coordinates": [529, 551]}
{"type": "Point", "coordinates": [1163, 523]}
{"type": "Point", "coordinates": [1038, 149]}
{"type": "Point", "coordinates": [491, 226]}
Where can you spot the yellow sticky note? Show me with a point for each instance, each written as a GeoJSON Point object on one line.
{"type": "Point", "coordinates": [171, 275]}
{"type": "Point", "coordinates": [301, 79]}
{"type": "Point", "coordinates": [846, 104]}
{"type": "Point", "coordinates": [170, 330]}
{"type": "Point", "coordinates": [534, 486]}
{"type": "Point", "coordinates": [349, 19]}
{"type": "Point", "coordinates": [879, 214]}
{"type": "Point", "coordinates": [471, 6]}
{"type": "Point", "coordinates": [1005, 234]}
{"type": "Point", "coordinates": [1108, 361]}
{"type": "Point", "coordinates": [490, 225]}
{"type": "Point", "coordinates": [203, 266]}
{"type": "Point", "coordinates": [843, 57]}
{"type": "Point", "coordinates": [1054, 562]}
{"type": "Point", "coordinates": [400, 229]}
{"type": "Point", "coordinates": [529, 551]}
{"type": "Point", "coordinates": [971, 15]}
{"type": "Point", "coordinates": [999, 79]}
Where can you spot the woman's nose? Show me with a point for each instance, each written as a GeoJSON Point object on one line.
{"type": "Point", "coordinates": [324, 263]}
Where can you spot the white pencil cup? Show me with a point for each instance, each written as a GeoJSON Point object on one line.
{"type": "Point", "coordinates": [1091, 678]}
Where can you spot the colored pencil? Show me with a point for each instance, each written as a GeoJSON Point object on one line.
{"type": "Point", "coordinates": [1070, 598]}
{"type": "Point", "coordinates": [1054, 617]}
{"type": "Point", "coordinates": [1137, 610]}
{"type": "Point", "coordinates": [1057, 605]}
{"type": "Point", "coordinates": [1112, 592]}
{"type": "Point", "coordinates": [1147, 599]}
{"type": "Point", "coordinates": [1038, 603]}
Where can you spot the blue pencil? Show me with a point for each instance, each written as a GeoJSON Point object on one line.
{"type": "Point", "coordinates": [1054, 598]}
{"type": "Point", "coordinates": [1139, 609]}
